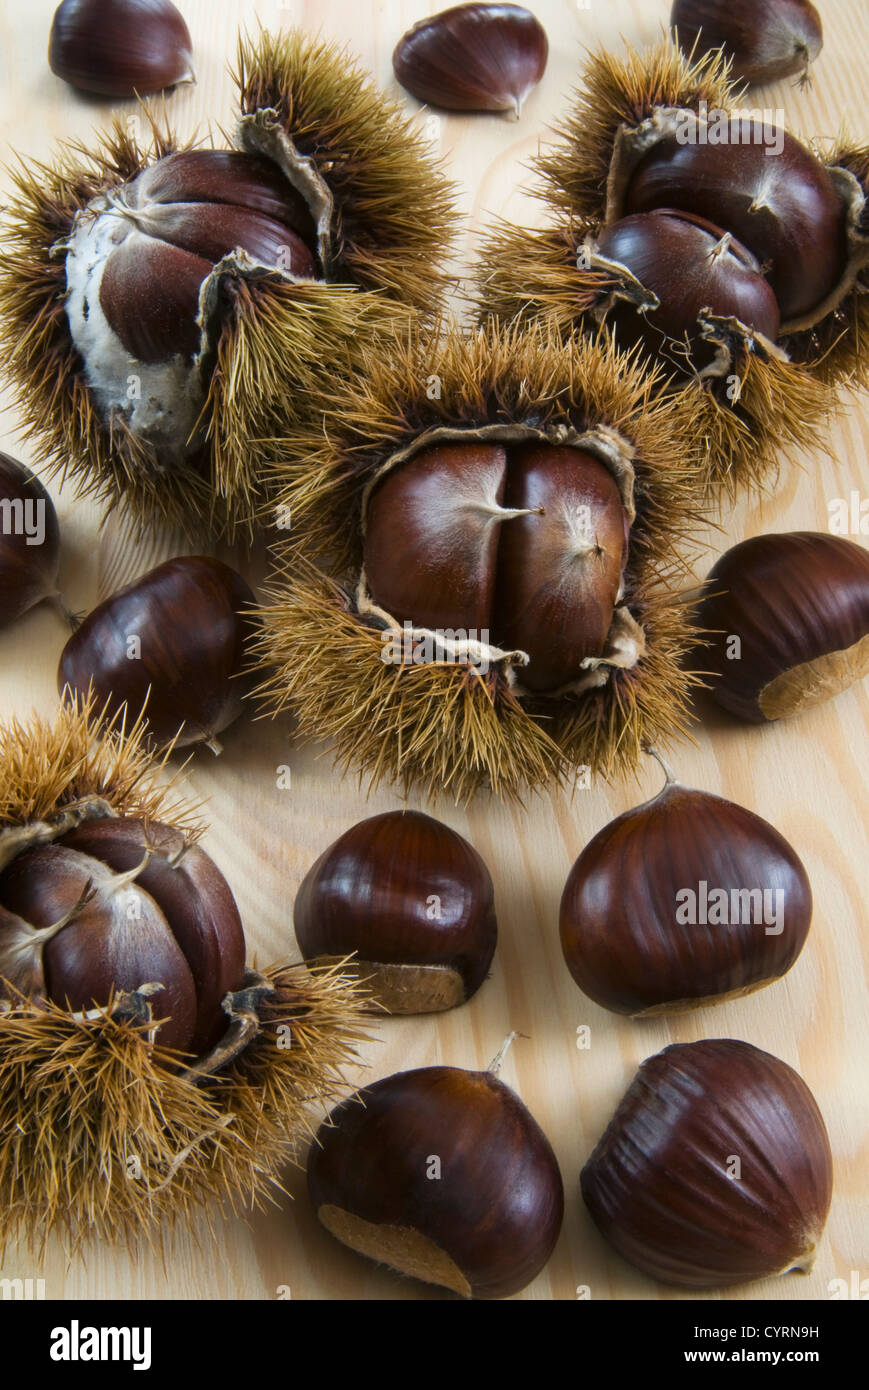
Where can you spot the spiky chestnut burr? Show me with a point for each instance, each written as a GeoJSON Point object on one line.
{"type": "Point", "coordinates": [116, 1122]}
{"type": "Point", "coordinates": [757, 401]}
{"type": "Point", "coordinates": [165, 310]}
{"type": "Point", "coordinates": [561, 442]}
{"type": "Point", "coordinates": [715, 1168]}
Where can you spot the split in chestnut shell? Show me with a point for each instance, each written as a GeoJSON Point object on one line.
{"type": "Point", "coordinates": [523, 547]}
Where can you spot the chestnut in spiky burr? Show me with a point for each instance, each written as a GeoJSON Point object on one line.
{"type": "Point", "coordinates": [683, 902]}
{"type": "Point", "coordinates": [476, 57]}
{"type": "Point", "coordinates": [656, 132]}
{"type": "Point", "coordinates": [164, 309]}
{"type": "Point", "coordinates": [714, 1170]}
{"type": "Point", "coordinates": [482, 1223]}
{"type": "Point", "coordinates": [688, 273]}
{"type": "Point", "coordinates": [494, 605]}
{"type": "Point", "coordinates": [29, 542]}
{"type": "Point", "coordinates": [163, 1072]}
{"type": "Point", "coordinates": [763, 42]}
{"type": "Point", "coordinates": [175, 642]}
{"type": "Point", "coordinates": [412, 901]}
{"type": "Point", "coordinates": [120, 48]}
{"type": "Point", "coordinates": [786, 619]}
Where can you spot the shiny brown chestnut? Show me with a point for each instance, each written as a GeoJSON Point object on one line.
{"type": "Point", "coordinates": [764, 42]}
{"type": "Point", "coordinates": [120, 48]}
{"type": "Point", "coordinates": [157, 239]}
{"type": "Point", "coordinates": [787, 617]}
{"type": "Point", "coordinates": [412, 901]}
{"type": "Point", "coordinates": [691, 267]}
{"type": "Point", "coordinates": [29, 541]}
{"type": "Point", "coordinates": [174, 641]}
{"type": "Point", "coordinates": [118, 904]}
{"type": "Point", "coordinates": [473, 58]}
{"type": "Point", "coordinates": [765, 188]}
{"type": "Point", "coordinates": [682, 902]}
{"type": "Point", "coordinates": [442, 1174]}
{"type": "Point", "coordinates": [715, 1169]}
{"type": "Point", "coordinates": [522, 545]}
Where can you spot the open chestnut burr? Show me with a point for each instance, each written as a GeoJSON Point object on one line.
{"type": "Point", "coordinates": [175, 643]}
{"type": "Point", "coordinates": [164, 1072]}
{"type": "Point", "coordinates": [164, 308]}
{"type": "Point", "coordinates": [683, 902]}
{"type": "Point", "coordinates": [715, 1168]}
{"type": "Point", "coordinates": [444, 1175]}
{"type": "Point", "coordinates": [724, 247]}
{"type": "Point", "coordinates": [494, 602]}
{"type": "Point", "coordinates": [411, 901]}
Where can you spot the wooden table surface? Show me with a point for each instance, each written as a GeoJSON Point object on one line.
{"type": "Point", "coordinates": [806, 776]}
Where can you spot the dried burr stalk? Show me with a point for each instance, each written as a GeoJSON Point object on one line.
{"type": "Point", "coordinates": [670, 224]}
{"type": "Point", "coordinates": [478, 588]}
{"type": "Point", "coordinates": [164, 308]}
{"type": "Point", "coordinates": [128, 1103]}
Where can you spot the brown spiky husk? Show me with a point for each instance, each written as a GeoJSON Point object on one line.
{"type": "Point", "coordinates": [274, 329]}
{"type": "Point", "coordinates": [783, 407]}
{"type": "Point", "coordinates": [395, 213]}
{"type": "Point", "coordinates": [449, 727]}
{"type": "Point", "coordinates": [619, 91]}
{"type": "Point", "coordinates": [102, 1135]}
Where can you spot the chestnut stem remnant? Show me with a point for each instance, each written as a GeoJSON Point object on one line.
{"type": "Point", "coordinates": [497, 1061]}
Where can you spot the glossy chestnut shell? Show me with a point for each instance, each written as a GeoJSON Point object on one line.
{"type": "Point", "coordinates": [690, 266]}
{"type": "Point", "coordinates": [714, 1170]}
{"type": "Point", "coordinates": [29, 541]}
{"type": "Point", "coordinates": [120, 48]}
{"type": "Point", "coordinates": [174, 924]}
{"type": "Point", "coordinates": [682, 902]}
{"type": "Point", "coordinates": [523, 545]}
{"type": "Point", "coordinates": [477, 57]}
{"type": "Point", "coordinates": [482, 1220]}
{"type": "Point", "coordinates": [412, 900]}
{"type": "Point", "coordinates": [764, 41]}
{"type": "Point", "coordinates": [784, 207]}
{"type": "Point", "coordinates": [174, 642]}
{"type": "Point", "coordinates": [788, 622]}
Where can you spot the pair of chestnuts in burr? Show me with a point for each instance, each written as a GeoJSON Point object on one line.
{"type": "Point", "coordinates": [723, 222]}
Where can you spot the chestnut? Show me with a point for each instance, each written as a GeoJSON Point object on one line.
{"type": "Point", "coordinates": [714, 1170]}
{"type": "Point", "coordinates": [117, 904]}
{"type": "Point", "coordinates": [29, 542]}
{"type": "Point", "coordinates": [175, 641]}
{"type": "Point", "coordinates": [682, 902]}
{"type": "Point", "coordinates": [477, 57]}
{"type": "Point", "coordinates": [764, 42]}
{"type": "Point", "coordinates": [787, 618]}
{"type": "Point", "coordinates": [691, 268]}
{"type": "Point", "coordinates": [120, 48]}
{"type": "Point", "coordinates": [783, 206]}
{"type": "Point", "coordinates": [524, 546]}
{"type": "Point", "coordinates": [412, 900]}
{"type": "Point", "coordinates": [442, 1174]}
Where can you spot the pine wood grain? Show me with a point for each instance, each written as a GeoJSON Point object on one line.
{"type": "Point", "coordinates": [807, 777]}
